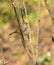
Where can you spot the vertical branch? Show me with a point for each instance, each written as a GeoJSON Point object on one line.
{"type": "Point", "coordinates": [18, 20]}
{"type": "Point", "coordinates": [38, 33]}
{"type": "Point", "coordinates": [52, 49]}
{"type": "Point", "coordinates": [28, 40]}
{"type": "Point", "coordinates": [21, 32]}
{"type": "Point", "coordinates": [51, 12]}
{"type": "Point", "coordinates": [2, 40]}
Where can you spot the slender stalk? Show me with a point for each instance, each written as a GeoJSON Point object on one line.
{"type": "Point", "coordinates": [51, 12]}
{"type": "Point", "coordinates": [18, 20]}
{"type": "Point", "coordinates": [32, 57]}
{"type": "Point", "coordinates": [21, 32]}
{"type": "Point", "coordinates": [38, 33]}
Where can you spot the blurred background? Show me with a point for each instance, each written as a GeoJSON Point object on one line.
{"type": "Point", "coordinates": [13, 51]}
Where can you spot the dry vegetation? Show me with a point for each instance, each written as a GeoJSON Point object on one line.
{"type": "Point", "coordinates": [12, 51]}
